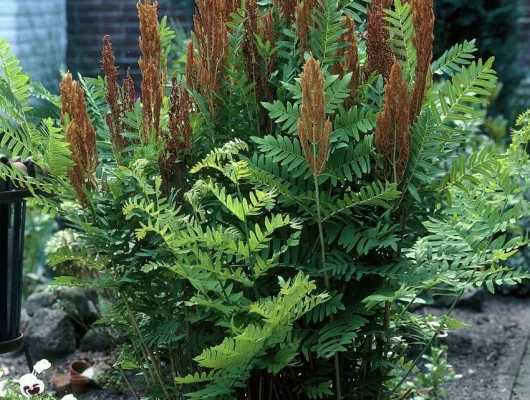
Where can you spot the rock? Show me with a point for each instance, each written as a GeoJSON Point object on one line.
{"type": "Point", "coordinates": [24, 320]}
{"type": "Point", "coordinates": [36, 301]}
{"type": "Point", "coordinates": [472, 299]}
{"type": "Point", "coordinates": [74, 302]}
{"type": "Point", "coordinates": [98, 339]}
{"type": "Point", "coordinates": [94, 313]}
{"type": "Point", "coordinates": [50, 334]}
{"type": "Point", "coordinates": [61, 383]}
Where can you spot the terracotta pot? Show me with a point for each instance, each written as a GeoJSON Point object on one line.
{"type": "Point", "coordinates": [79, 383]}
{"type": "Point", "coordinates": [77, 367]}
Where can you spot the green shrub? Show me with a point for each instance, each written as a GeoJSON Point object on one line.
{"type": "Point", "coordinates": [267, 220]}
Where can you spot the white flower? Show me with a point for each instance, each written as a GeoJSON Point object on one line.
{"type": "Point", "coordinates": [433, 325]}
{"type": "Point", "coordinates": [69, 397]}
{"type": "Point", "coordinates": [41, 366]}
{"type": "Point", "coordinates": [30, 385]}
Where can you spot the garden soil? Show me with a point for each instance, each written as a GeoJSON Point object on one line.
{"type": "Point", "coordinates": [489, 353]}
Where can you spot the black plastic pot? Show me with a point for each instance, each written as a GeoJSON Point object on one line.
{"type": "Point", "coordinates": [12, 219]}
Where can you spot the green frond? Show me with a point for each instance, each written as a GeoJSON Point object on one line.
{"type": "Point", "coordinates": [324, 38]}
{"type": "Point", "coordinates": [402, 31]}
{"type": "Point", "coordinates": [377, 194]}
{"type": "Point", "coordinates": [339, 335]}
{"type": "Point", "coordinates": [463, 91]}
{"type": "Point", "coordinates": [286, 116]}
{"type": "Point", "coordinates": [15, 79]}
{"type": "Point", "coordinates": [452, 60]}
{"type": "Point", "coordinates": [352, 123]}
{"type": "Point", "coordinates": [286, 152]}
{"type": "Point", "coordinates": [336, 90]}
{"type": "Point", "coordinates": [347, 164]}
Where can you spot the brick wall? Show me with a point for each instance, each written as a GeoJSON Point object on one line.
{"type": "Point", "coordinates": [36, 30]}
{"type": "Point", "coordinates": [90, 20]}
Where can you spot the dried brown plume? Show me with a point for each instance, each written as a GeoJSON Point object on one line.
{"type": "Point", "coordinates": [250, 48]}
{"type": "Point", "coordinates": [178, 140]}
{"type": "Point", "coordinates": [150, 66]}
{"type": "Point", "coordinates": [351, 57]}
{"type": "Point", "coordinates": [128, 93]}
{"type": "Point", "coordinates": [81, 136]}
{"type": "Point", "coordinates": [302, 27]}
{"type": "Point", "coordinates": [304, 22]}
{"type": "Point", "coordinates": [423, 20]}
{"type": "Point", "coordinates": [112, 95]}
{"type": "Point", "coordinates": [287, 8]}
{"type": "Point", "coordinates": [314, 129]}
{"type": "Point", "coordinates": [380, 57]}
{"type": "Point", "coordinates": [393, 139]}
{"type": "Point", "coordinates": [204, 73]}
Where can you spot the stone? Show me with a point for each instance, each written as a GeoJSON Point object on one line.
{"type": "Point", "coordinates": [61, 382]}
{"type": "Point", "coordinates": [98, 339]}
{"type": "Point", "coordinates": [94, 313]}
{"type": "Point", "coordinates": [472, 299]}
{"type": "Point", "coordinates": [24, 320]}
{"type": "Point", "coordinates": [73, 301]}
{"type": "Point", "coordinates": [50, 334]}
{"type": "Point", "coordinates": [36, 301]}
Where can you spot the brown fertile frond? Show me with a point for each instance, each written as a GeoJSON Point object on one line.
{"type": "Point", "coordinates": [304, 22]}
{"type": "Point", "coordinates": [287, 8]}
{"type": "Point", "coordinates": [250, 48]}
{"type": "Point", "coordinates": [179, 138]}
{"type": "Point", "coordinates": [80, 134]}
{"type": "Point", "coordinates": [128, 93]}
{"type": "Point", "coordinates": [108, 65]}
{"type": "Point", "coordinates": [378, 48]}
{"type": "Point", "coordinates": [150, 66]}
{"type": "Point", "coordinates": [393, 139]}
{"type": "Point", "coordinates": [351, 57]}
{"type": "Point", "coordinates": [423, 20]}
{"type": "Point", "coordinates": [211, 33]}
{"type": "Point", "coordinates": [191, 66]}
{"type": "Point", "coordinates": [314, 129]}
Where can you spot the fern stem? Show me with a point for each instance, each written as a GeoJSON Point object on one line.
{"type": "Point", "coordinates": [128, 382]}
{"type": "Point", "coordinates": [154, 363]}
{"type": "Point", "coordinates": [326, 276]}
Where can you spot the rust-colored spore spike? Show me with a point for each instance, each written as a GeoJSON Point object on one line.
{"type": "Point", "coordinates": [112, 95]}
{"type": "Point", "coordinates": [304, 23]}
{"type": "Point", "coordinates": [314, 129]}
{"type": "Point", "coordinates": [351, 58]}
{"type": "Point", "coordinates": [81, 136]}
{"type": "Point", "coordinates": [128, 93]}
{"type": "Point", "coordinates": [393, 139]}
{"type": "Point", "coordinates": [302, 28]}
{"type": "Point", "coordinates": [250, 48]}
{"type": "Point", "coordinates": [204, 73]}
{"type": "Point", "coordinates": [423, 20]}
{"type": "Point", "coordinates": [287, 8]}
{"type": "Point", "coordinates": [150, 66]}
{"type": "Point", "coordinates": [380, 56]}
{"type": "Point", "coordinates": [179, 139]}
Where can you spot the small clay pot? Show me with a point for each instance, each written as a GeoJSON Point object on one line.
{"type": "Point", "coordinates": [77, 367]}
{"type": "Point", "coordinates": [79, 383]}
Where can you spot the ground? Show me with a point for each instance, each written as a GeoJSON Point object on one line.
{"type": "Point", "coordinates": [488, 354]}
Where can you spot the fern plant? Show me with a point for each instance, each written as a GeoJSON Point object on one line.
{"type": "Point", "coordinates": [267, 219]}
